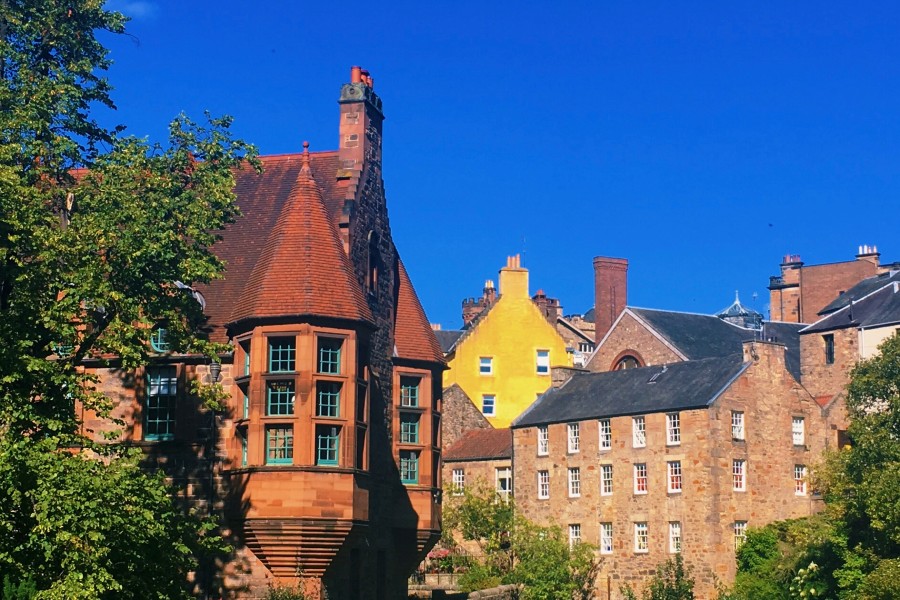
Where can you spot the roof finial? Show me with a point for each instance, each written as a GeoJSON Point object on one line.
{"type": "Point", "coordinates": [304, 158]}
{"type": "Point", "coordinates": [737, 298]}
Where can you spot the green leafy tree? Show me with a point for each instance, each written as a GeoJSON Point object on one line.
{"type": "Point", "coordinates": [672, 581]}
{"type": "Point", "coordinates": [101, 238]}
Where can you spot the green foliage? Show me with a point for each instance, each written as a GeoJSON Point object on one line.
{"type": "Point", "coordinates": [101, 238]}
{"type": "Point", "coordinates": [286, 593]}
{"type": "Point", "coordinates": [480, 515]}
{"type": "Point", "coordinates": [672, 581]}
{"type": "Point", "coordinates": [23, 590]}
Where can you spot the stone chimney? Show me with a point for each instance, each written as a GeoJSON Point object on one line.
{"type": "Point", "coordinates": [869, 254]}
{"type": "Point", "coordinates": [610, 292]}
{"type": "Point", "coordinates": [514, 278]}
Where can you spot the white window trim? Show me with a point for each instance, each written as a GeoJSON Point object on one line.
{"type": "Point", "coordinates": [493, 398]}
{"type": "Point", "coordinates": [738, 425]}
{"type": "Point", "coordinates": [542, 362]}
{"type": "Point", "coordinates": [490, 365]}
{"type": "Point", "coordinates": [543, 440]}
{"type": "Point", "coordinates": [638, 432]}
{"type": "Point", "coordinates": [675, 526]}
{"type": "Point", "coordinates": [605, 440]}
{"type": "Point", "coordinates": [636, 478]}
{"type": "Point", "coordinates": [574, 437]}
{"type": "Point", "coordinates": [798, 433]}
{"type": "Point", "coordinates": [670, 466]}
{"type": "Point", "coordinates": [673, 429]}
{"type": "Point", "coordinates": [740, 533]}
{"type": "Point", "coordinates": [540, 494]}
{"type": "Point", "coordinates": [638, 528]}
{"type": "Point", "coordinates": [459, 483]}
{"type": "Point", "coordinates": [743, 472]}
{"type": "Point", "coordinates": [606, 528]}
{"type": "Point", "coordinates": [574, 534]}
{"type": "Point", "coordinates": [603, 491]}
{"type": "Point", "coordinates": [800, 482]}
{"type": "Point", "coordinates": [574, 482]}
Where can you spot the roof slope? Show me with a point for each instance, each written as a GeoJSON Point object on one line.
{"type": "Point", "coordinates": [881, 307]}
{"type": "Point", "coordinates": [860, 290]}
{"type": "Point", "coordinates": [481, 444]}
{"type": "Point", "coordinates": [302, 269]}
{"type": "Point", "coordinates": [447, 338]}
{"type": "Point", "coordinates": [678, 386]}
{"type": "Point", "coordinates": [413, 336]}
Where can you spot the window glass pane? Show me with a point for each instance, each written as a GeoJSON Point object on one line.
{"type": "Point", "coordinates": [574, 437]}
{"type": "Point", "coordinates": [673, 428]}
{"type": "Point", "coordinates": [543, 484]}
{"type": "Point", "coordinates": [328, 399]}
{"type": "Point", "coordinates": [281, 354]}
{"type": "Point", "coordinates": [605, 434]}
{"type": "Point", "coordinates": [543, 362]}
{"type": "Point", "coordinates": [638, 432]}
{"type": "Point", "coordinates": [159, 412]}
{"type": "Point", "coordinates": [279, 398]}
{"type": "Point", "coordinates": [409, 391]}
{"type": "Point", "coordinates": [327, 443]}
{"type": "Point", "coordinates": [606, 480]}
{"type": "Point", "coordinates": [606, 539]}
{"type": "Point", "coordinates": [409, 466]}
{"type": "Point", "coordinates": [409, 428]}
{"type": "Point", "coordinates": [158, 340]}
{"type": "Point", "coordinates": [279, 444]}
{"type": "Point", "coordinates": [330, 355]}
{"type": "Point", "coordinates": [488, 405]}
{"type": "Point", "coordinates": [737, 425]}
{"type": "Point", "coordinates": [543, 441]}
{"type": "Point", "coordinates": [486, 365]}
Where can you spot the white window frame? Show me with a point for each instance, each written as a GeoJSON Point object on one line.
{"type": "Point", "coordinates": [503, 474]}
{"type": "Point", "coordinates": [493, 404]}
{"type": "Point", "coordinates": [574, 482]}
{"type": "Point", "coordinates": [740, 533]}
{"type": "Point", "coordinates": [641, 537]}
{"type": "Point", "coordinates": [673, 429]}
{"type": "Point", "coordinates": [674, 477]}
{"type": "Point", "coordinates": [798, 430]}
{"type": "Point", "coordinates": [542, 362]}
{"type": "Point", "coordinates": [675, 538]}
{"type": "Point", "coordinates": [574, 534]}
{"type": "Point", "coordinates": [606, 538]}
{"type": "Point", "coordinates": [739, 475]}
{"type": "Point", "coordinates": [640, 472]}
{"type": "Point", "coordinates": [800, 480]}
{"type": "Point", "coordinates": [738, 429]}
{"type": "Point", "coordinates": [458, 477]}
{"type": "Point", "coordinates": [543, 485]}
{"type": "Point", "coordinates": [606, 480]}
{"type": "Point", "coordinates": [543, 440]}
{"type": "Point", "coordinates": [574, 437]}
{"type": "Point", "coordinates": [485, 365]}
{"type": "Point", "coordinates": [605, 427]}
{"type": "Point", "coordinates": [638, 432]}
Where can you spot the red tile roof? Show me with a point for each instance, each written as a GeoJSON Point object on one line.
{"type": "Point", "coordinates": [413, 337]}
{"type": "Point", "coordinates": [302, 268]}
{"type": "Point", "coordinates": [481, 444]}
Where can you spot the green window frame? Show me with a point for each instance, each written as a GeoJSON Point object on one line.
{"type": "Point", "coordinates": [158, 340]}
{"type": "Point", "coordinates": [409, 391]}
{"type": "Point", "coordinates": [159, 409]}
{"type": "Point", "coordinates": [409, 428]}
{"type": "Point", "coordinates": [245, 413]}
{"type": "Point", "coordinates": [409, 466]}
{"type": "Point", "coordinates": [328, 439]}
{"type": "Point", "coordinates": [330, 355]}
{"type": "Point", "coordinates": [244, 451]}
{"type": "Point", "coordinates": [245, 348]}
{"type": "Point", "coordinates": [282, 354]}
{"type": "Point", "coordinates": [279, 444]}
{"type": "Point", "coordinates": [279, 398]}
{"type": "Point", "coordinates": [328, 399]}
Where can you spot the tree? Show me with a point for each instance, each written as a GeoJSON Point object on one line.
{"type": "Point", "coordinates": [102, 237]}
{"type": "Point", "coordinates": [672, 581]}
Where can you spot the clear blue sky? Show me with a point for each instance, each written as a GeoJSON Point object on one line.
{"type": "Point", "coordinates": [700, 140]}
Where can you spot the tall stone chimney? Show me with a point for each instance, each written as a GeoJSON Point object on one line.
{"type": "Point", "coordinates": [514, 278]}
{"type": "Point", "coordinates": [610, 292]}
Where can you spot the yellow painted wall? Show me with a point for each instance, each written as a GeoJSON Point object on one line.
{"type": "Point", "coordinates": [511, 333]}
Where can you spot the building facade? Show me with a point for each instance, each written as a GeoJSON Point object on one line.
{"type": "Point", "coordinates": [326, 461]}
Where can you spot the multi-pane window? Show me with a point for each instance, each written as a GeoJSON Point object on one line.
{"type": "Point", "coordinates": [737, 425]}
{"type": "Point", "coordinates": [245, 405]}
{"type": "Point", "coordinates": [244, 450]}
{"type": "Point", "coordinates": [486, 365]}
{"type": "Point", "coordinates": [159, 411]}
{"type": "Point", "coordinates": [574, 534]}
{"type": "Point", "coordinates": [675, 537]}
{"type": "Point", "coordinates": [330, 355]}
{"type": "Point", "coordinates": [328, 399]}
{"type": "Point", "coordinates": [488, 405]}
{"type": "Point", "coordinates": [739, 474]}
{"type": "Point", "coordinates": [673, 429]}
{"type": "Point", "coordinates": [503, 480]}
{"type": "Point", "coordinates": [674, 476]}
{"type": "Point", "coordinates": [543, 362]}
{"type": "Point", "coordinates": [279, 398]}
{"type": "Point", "coordinates": [606, 538]}
{"type": "Point", "coordinates": [409, 466]}
{"type": "Point", "coordinates": [828, 339]}
{"type": "Point", "coordinates": [606, 480]}
{"type": "Point", "coordinates": [641, 537]}
{"type": "Point", "coordinates": [158, 340]}
{"type": "Point", "coordinates": [409, 428]}
{"type": "Point", "coordinates": [740, 533]}
{"type": "Point", "coordinates": [327, 443]}
{"type": "Point", "coordinates": [409, 391]}
{"type": "Point", "coordinates": [605, 434]}
{"type": "Point", "coordinates": [459, 481]}
{"type": "Point", "coordinates": [638, 432]}
{"type": "Point", "coordinates": [282, 353]}
{"type": "Point", "coordinates": [800, 480]}
{"type": "Point", "coordinates": [245, 348]}
{"type": "Point", "coordinates": [543, 441]}
{"type": "Point", "coordinates": [543, 484]}
{"type": "Point", "coordinates": [574, 437]}
{"type": "Point", "coordinates": [574, 482]}
{"type": "Point", "coordinates": [640, 478]}
{"type": "Point", "coordinates": [798, 431]}
{"type": "Point", "coordinates": [279, 444]}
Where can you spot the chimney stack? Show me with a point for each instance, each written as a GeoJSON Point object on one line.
{"type": "Point", "coordinates": [610, 292]}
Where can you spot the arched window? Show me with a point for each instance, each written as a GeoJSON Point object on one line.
{"type": "Point", "coordinates": [627, 362]}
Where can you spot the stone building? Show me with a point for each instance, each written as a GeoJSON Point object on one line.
{"type": "Point", "coordinates": [480, 454]}
{"type": "Point", "coordinates": [326, 462]}
{"type": "Point", "coordinates": [646, 462]}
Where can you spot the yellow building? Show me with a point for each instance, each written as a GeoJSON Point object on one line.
{"type": "Point", "coordinates": [503, 360]}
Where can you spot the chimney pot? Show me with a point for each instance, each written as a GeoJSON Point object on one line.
{"type": "Point", "coordinates": [355, 74]}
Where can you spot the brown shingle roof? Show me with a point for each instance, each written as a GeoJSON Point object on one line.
{"type": "Point", "coordinates": [413, 336]}
{"type": "Point", "coordinates": [302, 268]}
{"type": "Point", "coordinates": [481, 444]}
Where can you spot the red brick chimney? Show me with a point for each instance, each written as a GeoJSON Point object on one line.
{"type": "Point", "coordinates": [610, 292]}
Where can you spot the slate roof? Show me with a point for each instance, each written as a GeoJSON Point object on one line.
{"type": "Point", "coordinates": [447, 338]}
{"type": "Point", "coordinates": [706, 336]}
{"type": "Point", "coordinates": [481, 444]}
{"type": "Point", "coordinates": [861, 289]}
{"type": "Point", "coordinates": [678, 386]}
{"type": "Point", "coordinates": [881, 307]}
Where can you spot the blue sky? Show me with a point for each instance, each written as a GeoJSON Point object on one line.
{"type": "Point", "coordinates": [700, 140]}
